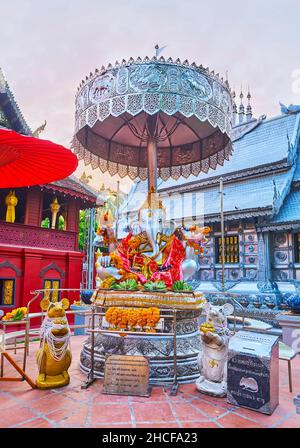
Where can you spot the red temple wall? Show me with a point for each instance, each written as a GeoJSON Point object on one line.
{"type": "Point", "coordinates": [30, 267]}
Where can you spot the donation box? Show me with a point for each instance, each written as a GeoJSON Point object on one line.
{"type": "Point", "coordinates": [253, 371]}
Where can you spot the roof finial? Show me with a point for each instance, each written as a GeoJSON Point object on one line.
{"type": "Point", "coordinates": [159, 50]}
{"type": "Point", "coordinates": [249, 107]}
{"type": "Point", "coordinates": [241, 108]}
{"type": "Point", "coordinates": [234, 109]}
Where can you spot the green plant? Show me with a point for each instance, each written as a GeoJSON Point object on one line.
{"type": "Point", "coordinates": [155, 286]}
{"type": "Point", "coordinates": [45, 223]}
{"type": "Point", "coordinates": [181, 285]}
{"type": "Point", "coordinates": [128, 285]}
{"type": "Point", "coordinates": [83, 229]}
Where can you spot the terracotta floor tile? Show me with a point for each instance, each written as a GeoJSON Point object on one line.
{"type": "Point", "coordinates": [185, 412]}
{"type": "Point", "coordinates": [37, 423]}
{"type": "Point", "coordinates": [74, 407]}
{"type": "Point", "coordinates": [284, 409]}
{"type": "Point", "coordinates": [196, 425]}
{"type": "Point", "coordinates": [26, 396]}
{"type": "Point", "coordinates": [99, 397]}
{"type": "Point", "coordinates": [210, 410]}
{"type": "Point", "coordinates": [109, 425]}
{"type": "Point", "coordinates": [234, 421]}
{"type": "Point", "coordinates": [6, 402]}
{"type": "Point", "coordinates": [108, 413]}
{"type": "Point", "coordinates": [59, 415]}
{"type": "Point", "coordinates": [51, 403]}
{"type": "Point", "coordinates": [148, 412]}
{"type": "Point", "coordinates": [15, 415]}
{"type": "Point", "coordinates": [157, 425]}
{"type": "Point", "coordinates": [290, 422]}
{"type": "Point", "coordinates": [188, 388]}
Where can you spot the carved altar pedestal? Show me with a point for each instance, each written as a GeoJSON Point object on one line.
{"type": "Point", "coordinates": [158, 349]}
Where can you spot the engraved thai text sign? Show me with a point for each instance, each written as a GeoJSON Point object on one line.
{"type": "Point", "coordinates": [126, 375]}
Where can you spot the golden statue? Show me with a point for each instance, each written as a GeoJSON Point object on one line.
{"type": "Point", "coordinates": [54, 207]}
{"type": "Point", "coordinates": [85, 178]}
{"type": "Point", "coordinates": [54, 356]}
{"type": "Point", "coordinates": [11, 201]}
{"type": "Point", "coordinates": [39, 130]}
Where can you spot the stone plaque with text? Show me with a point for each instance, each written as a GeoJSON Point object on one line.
{"type": "Point", "coordinates": [126, 375]}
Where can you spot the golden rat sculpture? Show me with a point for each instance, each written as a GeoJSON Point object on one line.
{"type": "Point", "coordinates": [54, 356]}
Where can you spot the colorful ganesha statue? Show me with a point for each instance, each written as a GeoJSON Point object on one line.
{"type": "Point", "coordinates": [147, 254]}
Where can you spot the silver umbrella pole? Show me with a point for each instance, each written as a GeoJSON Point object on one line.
{"type": "Point", "coordinates": [90, 249]}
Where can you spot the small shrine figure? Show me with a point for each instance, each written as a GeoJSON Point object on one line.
{"type": "Point", "coordinates": [11, 201]}
{"type": "Point", "coordinates": [54, 207]}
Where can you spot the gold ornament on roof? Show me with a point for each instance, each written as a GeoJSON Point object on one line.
{"type": "Point", "coordinates": [39, 130]}
{"type": "Point", "coordinates": [85, 178]}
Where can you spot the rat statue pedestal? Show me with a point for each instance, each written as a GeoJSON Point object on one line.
{"type": "Point", "coordinates": [212, 360]}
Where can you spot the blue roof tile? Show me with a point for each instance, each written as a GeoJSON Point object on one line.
{"type": "Point", "coordinates": [268, 143]}
{"type": "Point", "coordinates": [290, 211]}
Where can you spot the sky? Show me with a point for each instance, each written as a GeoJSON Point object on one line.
{"type": "Point", "coordinates": [48, 46]}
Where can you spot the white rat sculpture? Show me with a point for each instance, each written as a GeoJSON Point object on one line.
{"type": "Point", "coordinates": [212, 360]}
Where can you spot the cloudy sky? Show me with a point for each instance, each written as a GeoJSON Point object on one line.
{"type": "Point", "coordinates": [48, 46]}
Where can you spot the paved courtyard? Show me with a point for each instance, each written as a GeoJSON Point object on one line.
{"type": "Point", "coordinates": [22, 407]}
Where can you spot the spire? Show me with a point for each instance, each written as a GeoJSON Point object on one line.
{"type": "Point", "coordinates": [3, 82]}
{"type": "Point", "coordinates": [249, 107]}
{"type": "Point", "coordinates": [241, 108]}
{"type": "Point", "coordinates": [234, 110]}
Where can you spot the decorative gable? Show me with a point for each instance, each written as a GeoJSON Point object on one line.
{"type": "Point", "coordinates": [4, 122]}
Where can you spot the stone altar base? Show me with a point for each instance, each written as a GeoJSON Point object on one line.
{"type": "Point", "coordinates": [157, 349]}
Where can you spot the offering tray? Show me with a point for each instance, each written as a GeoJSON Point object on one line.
{"type": "Point", "coordinates": [169, 299]}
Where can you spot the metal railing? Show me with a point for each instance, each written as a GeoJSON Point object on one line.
{"type": "Point", "coordinates": [28, 332]}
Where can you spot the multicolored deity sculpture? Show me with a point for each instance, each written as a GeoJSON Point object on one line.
{"type": "Point", "coordinates": [54, 356]}
{"type": "Point", "coordinates": [147, 254]}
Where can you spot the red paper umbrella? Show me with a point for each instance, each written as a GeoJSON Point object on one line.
{"type": "Point", "coordinates": [26, 161]}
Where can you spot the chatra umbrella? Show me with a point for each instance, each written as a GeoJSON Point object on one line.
{"type": "Point", "coordinates": [153, 118]}
{"type": "Point", "coordinates": [26, 161]}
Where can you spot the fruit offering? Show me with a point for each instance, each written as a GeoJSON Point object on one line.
{"type": "Point", "coordinates": [155, 286]}
{"type": "Point", "coordinates": [181, 286]}
{"type": "Point", "coordinates": [16, 314]}
{"type": "Point", "coordinates": [128, 285]}
{"type": "Point", "coordinates": [206, 327]}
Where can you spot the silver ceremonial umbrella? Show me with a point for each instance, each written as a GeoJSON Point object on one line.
{"type": "Point", "coordinates": [153, 118]}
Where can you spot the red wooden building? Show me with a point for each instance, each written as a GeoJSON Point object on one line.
{"type": "Point", "coordinates": [33, 256]}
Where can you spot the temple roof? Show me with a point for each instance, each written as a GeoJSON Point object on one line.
{"type": "Point", "coordinates": [9, 107]}
{"type": "Point", "coordinates": [258, 196]}
{"type": "Point", "coordinates": [289, 211]}
{"type": "Point", "coordinates": [74, 187]}
{"type": "Point", "coordinates": [259, 150]}
{"type": "Point", "coordinates": [257, 178]}
{"type": "Point", "coordinates": [11, 117]}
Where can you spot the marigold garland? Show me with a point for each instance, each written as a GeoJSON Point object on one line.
{"type": "Point", "coordinates": [133, 318]}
